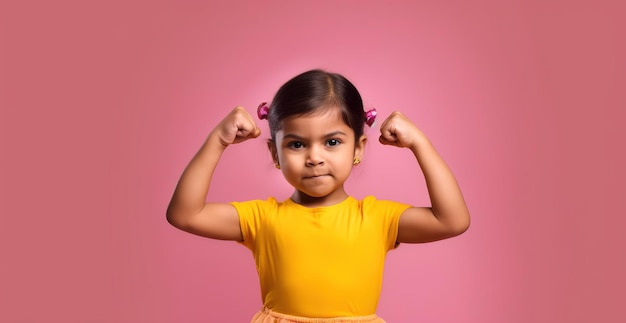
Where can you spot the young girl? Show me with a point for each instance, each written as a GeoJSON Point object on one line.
{"type": "Point", "coordinates": [320, 253]}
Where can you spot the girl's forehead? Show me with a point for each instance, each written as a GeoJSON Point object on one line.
{"type": "Point", "coordinates": [327, 121]}
{"type": "Point", "coordinates": [323, 116]}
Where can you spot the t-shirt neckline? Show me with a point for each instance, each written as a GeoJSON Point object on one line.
{"type": "Point", "coordinates": [290, 201]}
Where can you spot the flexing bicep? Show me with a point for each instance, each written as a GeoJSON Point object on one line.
{"type": "Point", "coordinates": [419, 224]}
{"type": "Point", "coordinates": [214, 220]}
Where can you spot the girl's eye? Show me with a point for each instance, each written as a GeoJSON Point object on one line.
{"type": "Point", "coordinates": [333, 142]}
{"type": "Point", "coordinates": [295, 145]}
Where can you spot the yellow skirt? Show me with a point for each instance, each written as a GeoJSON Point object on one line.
{"type": "Point", "coordinates": [268, 316]}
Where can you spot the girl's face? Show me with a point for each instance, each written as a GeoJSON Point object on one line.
{"type": "Point", "coordinates": [316, 155]}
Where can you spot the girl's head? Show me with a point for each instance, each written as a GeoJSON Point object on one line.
{"type": "Point", "coordinates": [314, 92]}
{"type": "Point", "coordinates": [316, 123]}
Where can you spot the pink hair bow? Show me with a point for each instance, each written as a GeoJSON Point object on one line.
{"type": "Point", "coordinates": [370, 117]}
{"type": "Point", "coordinates": [262, 111]}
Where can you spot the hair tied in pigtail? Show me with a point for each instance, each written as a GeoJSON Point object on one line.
{"type": "Point", "coordinates": [370, 117]}
{"type": "Point", "coordinates": [263, 110]}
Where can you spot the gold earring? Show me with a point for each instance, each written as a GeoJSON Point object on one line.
{"type": "Point", "coordinates": [356, 161]}
{"type": "Point", "coordinates": [277, 165]}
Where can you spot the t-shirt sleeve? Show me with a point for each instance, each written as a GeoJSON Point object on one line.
{"type": "Point", "coordinates": [388, 213]}
{"type": "Point", "coordinates": [251, 215]}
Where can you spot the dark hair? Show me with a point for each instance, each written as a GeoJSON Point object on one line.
{"type": "Point", "coordinates": [306, 93]}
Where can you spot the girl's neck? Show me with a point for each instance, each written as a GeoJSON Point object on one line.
{"type": "Point", "coordinates": [312, 201]}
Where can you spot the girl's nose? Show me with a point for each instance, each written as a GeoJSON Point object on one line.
{"type": "Point", "coordinates": [314, 157]}
{"type": "Point", "coordinates": [314, 162]}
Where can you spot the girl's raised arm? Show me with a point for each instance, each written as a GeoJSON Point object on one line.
{"type": "Point", "coordinates": [188, 209]}
{"type": "Point", "coordinates": [448, 216]}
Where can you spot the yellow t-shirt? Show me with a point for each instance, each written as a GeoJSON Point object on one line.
{"type": "Point", "coordinates": [323, 261]}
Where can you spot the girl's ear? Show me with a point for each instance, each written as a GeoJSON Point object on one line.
{"type": "Point", "coordinates": [360, 147]}
{"type": "Point", "coordinates": [272, 147]}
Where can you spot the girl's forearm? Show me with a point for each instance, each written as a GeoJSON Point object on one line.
{"type": "Point", "coordinates": [448, 204]}
{"type": "Point", "coordinates": [191, 191]}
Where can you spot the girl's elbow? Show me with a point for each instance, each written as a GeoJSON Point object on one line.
{"type": "Point", "coordinates": [172, 220]}
{"type": "Point", "coordinates": [457, 226]}
{"type": "Point", "coordinates": [176, 220]}
{"type": "Point", "coordinates": [461, 226]}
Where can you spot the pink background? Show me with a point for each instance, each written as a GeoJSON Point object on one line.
{"type": "Point", "coordinates": [103, 104]}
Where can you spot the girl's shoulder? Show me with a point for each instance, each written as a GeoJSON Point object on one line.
{"type": "Point", "coordinates": [371, 202]}
{"type": "Point", "coordinates": [270, 201]}
{"type": "Point", "coordinates": [256, 207]}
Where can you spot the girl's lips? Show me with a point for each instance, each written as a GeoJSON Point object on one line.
{"type": "Point", "coordinates": [315, 176]}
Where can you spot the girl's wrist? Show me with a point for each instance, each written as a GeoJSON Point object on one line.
{"type": "Point", "coordinates": [420, 146]}
{"type": "Point", "coordinates": [215, 141]}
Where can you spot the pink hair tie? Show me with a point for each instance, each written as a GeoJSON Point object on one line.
{"type": "Point", "coordinates": [370, 117]}
{"type": "Point", "coordinates": [262, 111]}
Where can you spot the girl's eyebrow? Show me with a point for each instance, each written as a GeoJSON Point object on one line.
{"type": "Point", "coordinates": [328, 135]}
{"type": "Point", "coordinates": [335, 134]}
